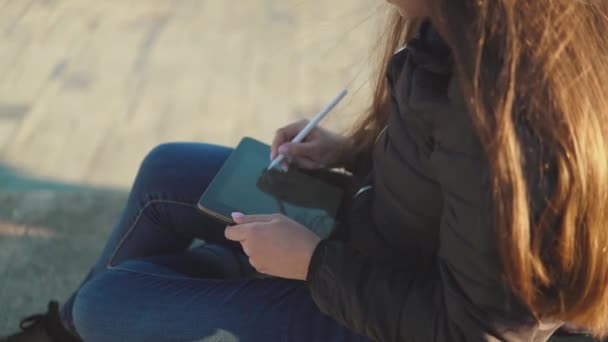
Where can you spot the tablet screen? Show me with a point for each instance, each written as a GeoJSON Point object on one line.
{"type": "Point", "coordinates": [243, 184]}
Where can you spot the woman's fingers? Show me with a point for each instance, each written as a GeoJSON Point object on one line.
{"type": "Point", "coordinates": [321, 148]}
{"type": "Point", "coordinates": [284, 166]}
{"type": "Point", "coordinates": [302, 154]}
{"type": "Point", "coordinates": [237, 233]}
{"type": "Point", "coordinates": [307, 163]}
{"type": "Point", "coordinates": [244, 224]}
{"type": "Point", "coordinates": [285, 134]}
{"type": "Point", "coordinates": [295, 150]}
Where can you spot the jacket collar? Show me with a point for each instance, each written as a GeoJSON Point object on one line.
{"type": "Point", "coordinates": [429, 51]}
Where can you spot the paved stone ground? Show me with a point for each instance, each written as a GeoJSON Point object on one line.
{"type": "Point", "coordinates": [88, 87]}
{"type": "Point", "coordinates": [48, 239]}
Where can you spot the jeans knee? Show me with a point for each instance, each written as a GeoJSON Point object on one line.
{"type": "Point", "coordinates": [179, 167]}
{"type": "Point", "coordinates": [83, 313]}
{"type": "Point", "coordinates": [95, 308]}
{"type": "Point", "coordinates": [160, 153]}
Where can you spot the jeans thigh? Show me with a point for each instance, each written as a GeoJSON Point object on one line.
{"type": "Point", "coordinates": [140, 301]}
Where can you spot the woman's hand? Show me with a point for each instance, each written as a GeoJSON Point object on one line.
{"type": "Point", "coordinates": [275, 244]}
{"type": "Point", "coordinates": [320, 149]}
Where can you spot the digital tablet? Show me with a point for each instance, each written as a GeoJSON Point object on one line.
{"type": "Point", "coordinates": [244, 185]}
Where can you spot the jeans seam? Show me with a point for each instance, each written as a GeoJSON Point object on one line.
{"type": "Point", "coordinates": [118, 268]}
{"type": "Point", "coordinates": [164, 276]}
{"type": "Point", "coordinates": [136, 221]}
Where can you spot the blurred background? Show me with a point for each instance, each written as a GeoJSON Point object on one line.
{"type": "Point", "coordinates": [88, 87]}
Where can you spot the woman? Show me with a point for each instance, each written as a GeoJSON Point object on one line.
{"type": "Point", "coordinates": [483, 167]}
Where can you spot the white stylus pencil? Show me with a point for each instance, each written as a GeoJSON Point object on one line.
{"type": "Point", "coordinates": [311, 124]}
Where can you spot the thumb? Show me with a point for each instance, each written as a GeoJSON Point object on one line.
{"type": "Point", "coordinates": [236, 233]}
{"type": "Point", "coordinates": [240, 218]}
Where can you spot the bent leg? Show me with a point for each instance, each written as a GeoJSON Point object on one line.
{"type": "Point", "coordinates": [161, 215]}
{"type": "Point", "coordinates": [141, 300]}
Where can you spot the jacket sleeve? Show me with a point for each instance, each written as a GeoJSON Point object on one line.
{"type": "Point", "coordinates": [462, 297]}
{"type": "Point", "coordinates": [459, 298]}
{"type": "Point", "coordinates": [390, 304]}
{"type": "Point", "coordinates": [374, 300]}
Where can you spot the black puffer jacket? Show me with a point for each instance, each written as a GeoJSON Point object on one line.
{"type": "Point", "coordinates": [420, 262]}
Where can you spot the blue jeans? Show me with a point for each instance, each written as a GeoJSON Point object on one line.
{"type": "Point", "coordinates": [151, 284]}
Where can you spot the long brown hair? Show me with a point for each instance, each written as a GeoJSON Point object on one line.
{"type": "Point", "coordinates": [543, 64]}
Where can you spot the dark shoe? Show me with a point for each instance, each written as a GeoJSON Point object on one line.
{"type": "Point", "coordinates": [45, 327]}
